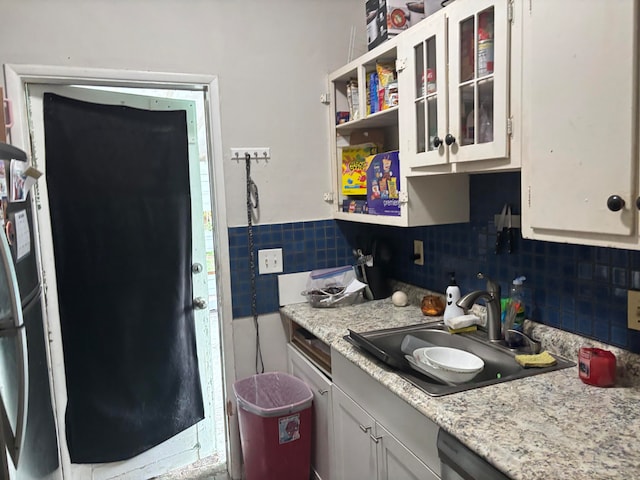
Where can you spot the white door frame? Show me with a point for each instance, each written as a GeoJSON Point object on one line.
{"type": "Point", "coordinates": [16, 76]}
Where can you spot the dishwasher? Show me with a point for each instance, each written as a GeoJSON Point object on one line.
{"type": "Point", "coordinates": [457, 462]}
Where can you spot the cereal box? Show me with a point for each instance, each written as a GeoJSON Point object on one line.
{"type": "Point", "coordinates": [354, 168]}
{"type": "Point", "coordinates": [383, 184]}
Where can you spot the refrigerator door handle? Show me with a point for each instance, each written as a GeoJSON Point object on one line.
{"type": "Point", "coordinates": [15, 441]}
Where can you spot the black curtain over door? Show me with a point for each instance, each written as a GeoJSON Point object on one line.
{"type": "Point", "coordinates": [118, 187]}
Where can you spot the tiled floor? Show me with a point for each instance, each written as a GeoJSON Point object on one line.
{"type": "Point", "coordinates": [207, 469]}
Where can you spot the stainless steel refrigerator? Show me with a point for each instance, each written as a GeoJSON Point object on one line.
{"type": "Point", "coordinates": [28, 438]}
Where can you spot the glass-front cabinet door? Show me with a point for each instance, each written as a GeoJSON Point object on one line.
{"type": "Point", "coordinates": [423, 82]}
{"type": "Point", "coordinates": [453, 75]}
{"type": "Point", "coordinates": [478, 79]}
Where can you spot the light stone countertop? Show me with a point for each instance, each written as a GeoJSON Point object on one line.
{"type": "Point", "coordinates": [550, 425]}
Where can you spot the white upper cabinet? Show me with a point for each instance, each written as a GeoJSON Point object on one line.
{"type": "Point", "coordinates": [458, 97]}
{"type": "Point", "coordinates": [581, 102]}
{"type": "Point", "coordinates": [420, 200]}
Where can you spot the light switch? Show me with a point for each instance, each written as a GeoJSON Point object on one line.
{"type": "Point", "coordinates": [270, 261]}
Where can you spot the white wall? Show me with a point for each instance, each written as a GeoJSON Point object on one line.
{"type": "Point", "coordinates": [273, 344]}
{"type": "Point", "coordinates": [271, 56]}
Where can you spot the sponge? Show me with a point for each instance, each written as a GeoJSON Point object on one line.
{"type": "Point", "coordinates": [461, 321]}
{"type": "Point", "coordinates": [470, 328]}
{"type": "Point", "coordinates": [540, 360]}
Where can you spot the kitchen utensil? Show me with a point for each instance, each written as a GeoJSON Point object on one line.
{"type": "Point", "coordinates": [505, 222]}
{"type": "Point", "coordinates": [411, 343]}
{"type": "Point", "coordinates": [444, 374]}
{"type": "Point", "coordinates": [452, 359]}
{"type": "Point", "coordinates": [425, 370]}
{"type": "Point", "coordinates": [394, 361]}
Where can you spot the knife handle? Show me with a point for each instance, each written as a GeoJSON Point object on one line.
{"type": "Point", "coordinates": [510, 240]}
{"type": "Point", "coordinates": [498, 240]}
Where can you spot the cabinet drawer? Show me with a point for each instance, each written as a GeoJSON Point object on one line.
{"type": "Point", "coordinates": [298, 363]}
{"type": "Point", "coordinates": [320, 385]}
{"type": "Point", "coordinates": [410, 427]}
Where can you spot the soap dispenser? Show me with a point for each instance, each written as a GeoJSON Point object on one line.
{"type": "Point", "coordinates": [453, 295]}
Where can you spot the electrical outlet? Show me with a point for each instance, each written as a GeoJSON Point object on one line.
{"type": "Point", "coordinates": [418, 252]}
{"type": "Point", "coordinates": [270, 261]}
{"type": "Point", "coordinates": [633, 309]}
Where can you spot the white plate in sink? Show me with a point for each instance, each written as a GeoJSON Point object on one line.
{"type": "Point", "coordinates": [419, 368]}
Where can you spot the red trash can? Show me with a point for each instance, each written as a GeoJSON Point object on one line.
{"type": "Point", "coordinates": [274, 413]}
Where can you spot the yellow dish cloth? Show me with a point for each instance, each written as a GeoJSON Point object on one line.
{"type": "Point", "coordinates": [470, 328]}
{"type": "Point", "coordinates": [540, 360]}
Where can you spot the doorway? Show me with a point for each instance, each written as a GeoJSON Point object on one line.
{"type": "Point", "coordinates": [204, 94]}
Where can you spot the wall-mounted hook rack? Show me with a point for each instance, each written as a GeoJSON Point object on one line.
{"type": "Point", "coordinates": [256, 153]}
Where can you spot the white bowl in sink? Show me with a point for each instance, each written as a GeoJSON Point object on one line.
{"type": "Point", "coordinates": [449, 364]}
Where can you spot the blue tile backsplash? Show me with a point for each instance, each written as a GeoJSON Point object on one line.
{"type": "Point", "coordinates": [573, 287]}
{"type": "Point", "coordinates": [305, 246]}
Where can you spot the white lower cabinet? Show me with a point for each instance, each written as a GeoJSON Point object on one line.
{"type": "Point", "coordinates": [361, 430]}
{"type": "Point", "coordinates": [320, 385]}
{"type": "Point", "coordinates": [377, 435]}
{"type": "Point", "coordinates": [365, 449]}
{"type": "Point", "coordinates": [354, 452]}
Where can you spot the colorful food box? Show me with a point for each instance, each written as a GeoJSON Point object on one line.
{"type": "Point", "coordinates": [354, 206]}
{"type": "Point", "coordinates": [383, 184]}
{"type": "Point", "coordinates": [354, 168]}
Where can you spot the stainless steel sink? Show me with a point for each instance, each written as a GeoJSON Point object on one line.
{"type": "Point", "coordinates": [500, 365]}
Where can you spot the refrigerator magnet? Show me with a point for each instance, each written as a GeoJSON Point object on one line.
{"type": "Point", "coordinates": [18, 191]}
{"type": "Point", "coordinates": [3, 181]}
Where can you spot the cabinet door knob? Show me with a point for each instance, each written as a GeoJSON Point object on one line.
{"type": "Point", "coordinates": [449, 139]}
{"type": "Point", "coordinates": [615, 203]}
{"type": "Point", "coordinates": [322, 391]}
{"type": "Point", "coordinates": [363, 428]}
{"type": "Point", "coordinates": [374, 438]}
{"type": "Point", "coordinates": [437, 142]}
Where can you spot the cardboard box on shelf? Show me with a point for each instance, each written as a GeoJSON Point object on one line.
{"type": "Point", "coordinates": [392, 17]}
{"type": "Point", "coordinates": [383, 184]}
{"type": "Point", "coordinates": [376, 22]}
{"type": "Point", "coordinates": [354, 168]}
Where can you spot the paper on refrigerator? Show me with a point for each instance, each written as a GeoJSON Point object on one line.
{"type": "Point", "coordinates": [23, 177]}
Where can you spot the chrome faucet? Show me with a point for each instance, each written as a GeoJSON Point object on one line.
{"type": "Point", "coordinates": [492, 301]}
